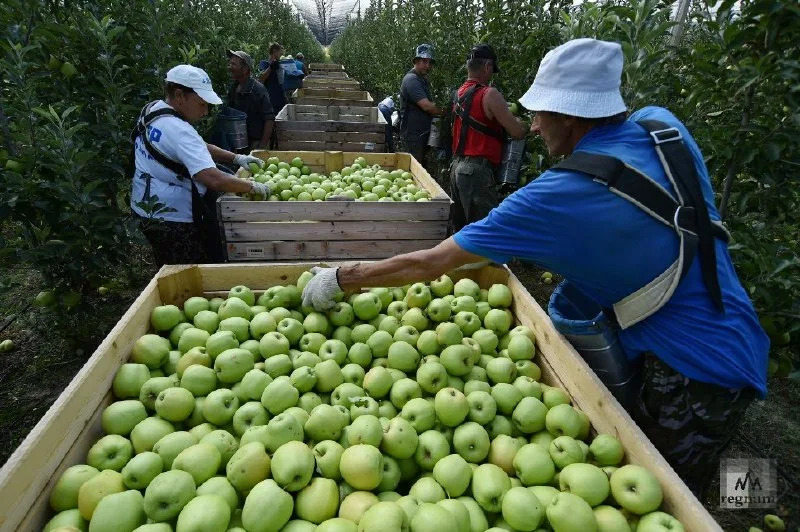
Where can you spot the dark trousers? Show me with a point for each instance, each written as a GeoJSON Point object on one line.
{"type": "Point", "coordinates": [688, 421]}
{"type": "Point", "coordinates": [175, 242]}
{"type": "Point", "coordinates": [472, 189]}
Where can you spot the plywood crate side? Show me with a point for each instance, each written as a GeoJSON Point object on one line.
{"type": "Point", "coordinates": [311, 230]}
{"type": "Point", "coordinates": [25, 479]}
{"type": "Point", "coordinates": [253, 211]}
{"type": "Point", "coordinates": [326, 66]}
{"type": "Point", "coordinates": [324, 250]}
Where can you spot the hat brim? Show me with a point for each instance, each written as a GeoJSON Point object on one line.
{"type": "Point", "coordinates": [425, 56]}
{"type": "Point", "coordinates": [209, 96]}
{"type": "Point", "coordinates": [573, 102]}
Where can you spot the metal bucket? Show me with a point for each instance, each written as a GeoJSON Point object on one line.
{"type": "Point", "coordinates": [511, 162]}
{"type": "Point", "coordinates": [433, 138]}
{"type": "Point", "coordinates": [232, 128]}
{"type": "Point", "coordinates": [583, 323]}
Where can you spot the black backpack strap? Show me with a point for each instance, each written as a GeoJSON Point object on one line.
{"type": "Point", "coordinates": [145, 118]}
{"type": "Point", "coordinates": [679, 167]}
{"type": "Point", "coordinates": [463, 108]}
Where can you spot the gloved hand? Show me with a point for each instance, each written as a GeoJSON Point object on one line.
{"type": "Point", "coordinates": [243, 160]}
{"type": "Point", "coordinates": [260, 189]}
{"type": "Point", "coordinates": [321, 289]}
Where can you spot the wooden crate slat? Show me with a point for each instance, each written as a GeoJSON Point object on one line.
{"type": "Point", "coordinates": [331, 145]}
{"type": "Point", "coordinates": [325, 66]}
{"type": "Point", "coordinates": [332, 136]}
{"type": "Point", "coordinates": [331, 230]}
{"type": "Point", "coordinates": [279, 211]}
{"type": "Point", "coordinates": [330, 126]}
{"type": "Point", "coordinates": [321, 250]}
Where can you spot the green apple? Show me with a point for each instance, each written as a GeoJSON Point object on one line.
{"type": "Point", "coordinates": [279, 395]}
{"type": "Point", "coordinates": [248, 466]}
{"type": "Point", "coordinates": [528, 386]}
{"type": "Point", "coordinates": [522, 509]}
{"type": "Point", "coordinates": [327, 455]}
{"type": "Point", "coordinates": [303, 379]}
{"type": "Point", "coordinates": [418, 296]}
{"type": "Point", "coordinates": [192, 337]}
{"type": "Point", "coordinates": [177, 331]}
{"type": "Point", "coordinates": [167, 494]}
{"type": "Point", "coordinates": [121, 417]}
{"type": "Point", "coordinates": [220, 406]}
{"type": "Point", "coordinates": [148, 431]}
{"type": "Point", "coordinates": [174, 404]}
{"type": "Point", "coordinates": [500, 425]}
{"type": "Point", "coordinates": [64, 495]}
{"type": "Point", "coordinates": [400, 440]}
{"type": "Point", "coordinates": [390, 479]}
{"type": "Point", "coordinates": [427, 343]}
{"type": "Point", "coordinates": [364, 406]}
{"type": "Point", "coordinates": [501, 370]}
{"type": "Point", "coordinates": [609, 519]}
{"type": "Point", "coordinates": [467, 287]}
{"type": "Point", "coordinates": [457, 359]}
{"type": "Point", "coordinates": [165, 317]}
{"type": "Point", "coordinates": [487, 340]}
{"type": "Point", "coordinates": [403, 356]}
{"type": "Point", "coordinates": [427, 490]}
{"type": "Point", "coordinates": [232, 364]}
{"type": "Point", "coordinates": [432, 377]}
{"type": "Point", "coordinates": [476, 382]}
{"type": "Point", "coordinates": [318, 501]}
{"type": "Point", "coordinates": [195, 356]}
{"type": "Point", "coordinates": [253, 384]}
{"type": "Point", "coordinates": [772, 522]}
{"type": "Point", "coordinates": [458, 512]}
{"type": "Point", "coordinates": [366, 306]}
{"type": "Point", "coordinates": [406, 333]}
{"type": "Point", "coordinates": [199, 380]}
{"type": "Point", "coordinates": [95, 488]}
{"type": "Point", "coordinates": [119, 511]}
{"type": "Point", "coordinates": [361, 354]}
{"type": "Point", "coordinates": [502, 451]}
{"type": "Point", "coordinates": [201, 461]}
{"type": "Point", "coordinates": [377, 382]}
{"type": "Point", "coordinates": [263, 323]}
{"type": "Point", "coordinates": [420, 413]}
{"type": "Point", "coordinates": [451, 406]}
{"type": "Point", "coordinates": [195, 304]}
{"type": "Point", "coordinates": [383, 516]}
{"type": "Point", "coordinates": [636, 489]}
{"type": "Point", "coordinates": [365, 430]}
{"type": "Point", "coordinates": [267, 507]}
{"type": "Point", "coordinates": [471, 441]}
{"type": "Point", "coordinates": [171, 445]}
{"type": "Point", "coordinates": [477, 518]}
{"type": "Point", "coordinates": [316, 322]}
{"type": "Point", "coordinates": [554, 396]}
{"type": "Point", "coordinates": [337, 524]}
{"type": "Point", "coordinates": [129, 379]}
{"type": "Point", "coordinates": [151, 350]}
{"type": "Point", "coordinates": [587, 481]}
{"type": "Point", "coordinates": [565, 450]}
{"type": "Point", "coordinates": [238, 326]}
{"type": "Point", "coordinates": [562, 420]}
{"type": "Point", "coordinates": [482, 407]}
{"type": "Point", "coordinates": [280, 429]}
{"type": "Point", "coordinates": [243, 293]}
{"type": "Point", "coordinates": [520, 347]}
{"type": "Point", "coordinates": [361, 466]}
{"type": "Point", "coordinates": [448, 333]}
{"type": "Point", "coordinates": [206, 320]}
{"type": "Point", "coordinates": [403, 391]}
{"type": "Point", "coordinates": [204, 512]}
{"type": "Point", "coordinates": [465, 304]}
{"type": "Point", "coordinates": [396, 309]}
{"type": "Point", "coordinates": [293, 465]}
{"type": "Point", "coordinates": [606, 450]}
{"type": "Point", "coordinates": [278, 365]}
{"type": "Point", "coordinates": [341, 314]}
{"type": "Point", "coordinates": [507, 397]}
{"type": "Point", "coordinates": [533, 465]}
{"type": "Point", "coordinates": [489, 485]}
{"type": "Point", "coordinates": [273, 343]}
{"type": "Point", "coordinates": [343, 394]}
{"type": "Point", "coordinates": [415, 317]}
{"type": "Point", "coordinates": [499, 296]}
{"type": "Point", "coordinates": [454, 474]}
{"type": "Point", "coordinates": [225, 443]}
{"type": "Point", "coordinates": [324, 423]}
{"type": "Point", "coordinates": [221, 487]}
{"type": "Point", "coordinates": [529, 415]}
{"type": "Point", "coordinates": [67, 521]}
{"type": "Point", "coordinates": [141, 470]}
{"type": "Point", "coordinates": [468, 322]}
{"type": "Point", "coordinates": [438, 310]}
{"type": "Point", "coordinates": [442, 286]}
{"type": "Point", "coordinates": [356, 504]}
{"type": "Point", "coordinates": [362, 332]}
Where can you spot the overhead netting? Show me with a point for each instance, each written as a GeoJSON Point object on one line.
{"type": "Point", "coordinates": [328, 18]}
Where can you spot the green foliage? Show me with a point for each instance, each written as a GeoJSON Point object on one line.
{"type": "Point", "coordinates": [734, 80]}
{"type": "Point", "coordinates": [73, 78]}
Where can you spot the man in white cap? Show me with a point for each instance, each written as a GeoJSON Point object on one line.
{"type": "Point", "coordinates": [176, 169]}
{"type": "Point", "coordinates": [416, 108]}
{"type": "Point", "coordinates": [629, 220]}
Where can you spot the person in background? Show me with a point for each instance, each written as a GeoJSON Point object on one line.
{"type": "Point", "coordinates": [272, 77]}
{"type": "Point", "coordinates": [481, 120]}
{"type": "Point", "coordinates": [416, 108]}
{"type": "Point", "coordinates": [611, 228]}
{"type": "Point", "coordinates": [300, 60]}
{"type": "Point", "coordinates": [176, 168]}
{"type": "Point", "coordinates": [250, 96]}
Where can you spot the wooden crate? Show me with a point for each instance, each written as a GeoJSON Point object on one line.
{"type": "Point", "coordinates": [314, 230]}
{"type": "Point", "coordinates": [73, 423]}
{"type": "Point", "coordinates": [315, 81]}
{"type": "Point", "coordinates": [335, 127]}
{"type": "Point", "coordinates": [332, 97]}
{"type": "Point", "coordinates": [327, 67]}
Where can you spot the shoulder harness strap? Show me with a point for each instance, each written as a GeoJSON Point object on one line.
{"type": "Point", "coordinates": [462, 108]}
{"type": "Point", "coordinates": [145, 119]}
{"type": "Point", "coordinates": [687, 215]}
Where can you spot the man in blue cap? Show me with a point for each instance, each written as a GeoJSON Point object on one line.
{"type": "Point", "coordinates": [628, 218]}
{"type": "Point", "coordinates": [416, 108]}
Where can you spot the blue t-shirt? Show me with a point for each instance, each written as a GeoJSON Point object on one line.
{"type": "Point", "coordinates": [609, 248]}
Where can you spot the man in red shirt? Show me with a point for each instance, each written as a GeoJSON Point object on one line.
{"type": "Point", "coordinates": [480, 121]}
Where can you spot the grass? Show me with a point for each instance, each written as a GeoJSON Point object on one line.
{"type": "Point", "coordinates": [52, 346]}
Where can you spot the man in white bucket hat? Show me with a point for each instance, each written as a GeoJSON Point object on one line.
{"type": "Point", "coordinates": [176, 168]}
{"type": "Point", "coordinates": [628, 220]}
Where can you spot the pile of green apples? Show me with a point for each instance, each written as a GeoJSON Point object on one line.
{"type": "Point", "coordinates": [294, 181]}
{"type": "Point", "coordinates": [412, 408]}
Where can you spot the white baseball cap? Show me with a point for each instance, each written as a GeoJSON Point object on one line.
{"type": "Point", "coordinates": [196, 79]}
{"type": "Point", "coordinates": [579, 78]}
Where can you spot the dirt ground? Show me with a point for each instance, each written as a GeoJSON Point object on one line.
{"type": "Point", "coordinates": [52, 346]}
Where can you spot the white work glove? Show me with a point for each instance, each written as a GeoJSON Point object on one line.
{"type": "Point", "coordinates": [244, 160]}
{"type": "Point", "coordinates": [259, 189]}
{"type": "Point", "coordinates": [321, 289]}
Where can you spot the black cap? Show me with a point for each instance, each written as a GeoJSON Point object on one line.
{"type": "Point", "coordinates": [484, 51]}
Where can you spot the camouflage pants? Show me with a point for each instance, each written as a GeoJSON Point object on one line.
{"type": "Point", "coordinates": [175, 242]}
{"type": "Point", "coordinates": [472, 189]}
{"type": "Point", "coordinates": [688, 421]}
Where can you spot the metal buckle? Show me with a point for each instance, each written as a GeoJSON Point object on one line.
{"type": "Point", "coordinates": [672, 131]}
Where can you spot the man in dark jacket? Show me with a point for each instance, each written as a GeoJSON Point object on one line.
{"type": "Point", "coordinates": [250, 96]}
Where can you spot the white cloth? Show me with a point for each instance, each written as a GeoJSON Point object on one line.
{"type": "Point", "coordinates": [181, 142]}
{"type": "Point", "coordinates": [579, 78]}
